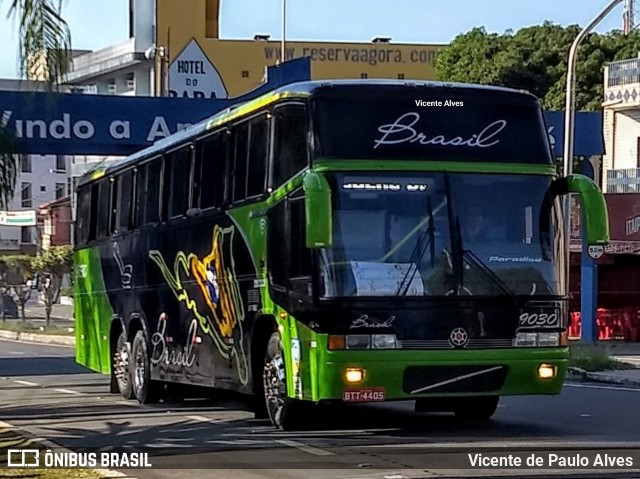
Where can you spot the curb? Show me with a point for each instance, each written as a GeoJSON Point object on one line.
{"type": "Point", "coordinates": [38, 338]}
{"type": "Point", "coordinates": [103, 473]}
{"type": "Point", "coordinates": [601, 377]}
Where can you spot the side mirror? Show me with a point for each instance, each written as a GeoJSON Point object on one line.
{"type": "Point", "coordinates": [593, 205]}
{"type": "Point", "coordinates": [317, 202]}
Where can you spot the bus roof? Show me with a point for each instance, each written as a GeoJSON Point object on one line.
{"type": "Point", "coordinates": [294, 90]}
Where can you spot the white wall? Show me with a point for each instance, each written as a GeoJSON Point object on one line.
{"type": "Point", "coordinates": [43, 176]}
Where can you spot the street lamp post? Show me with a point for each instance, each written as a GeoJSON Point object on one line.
{"type": "Point", "coordinates": [569, 126]}
{"type": "Point", "coordinates": [569, 112]}
{"type": "Point", "coordinates": [284, 30]}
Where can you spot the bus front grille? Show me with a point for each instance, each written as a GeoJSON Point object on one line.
{"type": "Point", "coordinates": [479, 343]}
{"type": "Point", "coordinates": [453, 379]}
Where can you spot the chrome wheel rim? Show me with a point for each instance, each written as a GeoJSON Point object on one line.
{"type": "Point", "coordinates": [274, 387]}
{"type": "Point", "coordinates": [140, 369]}
{"type": "Point", "coordinates": [121, 366]}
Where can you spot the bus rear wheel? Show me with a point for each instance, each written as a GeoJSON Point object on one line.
{"type": "Point", "coordinates": [284, 412]}
{"type": "Point", "coordinates": [145, 390]}
{"type": "Point", "coordinates": [479, 408]}
{"type": "Point", "coordinates": [120, 365]}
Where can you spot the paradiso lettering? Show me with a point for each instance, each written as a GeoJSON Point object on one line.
{"type": "Point", "coordinates": [402, 131]}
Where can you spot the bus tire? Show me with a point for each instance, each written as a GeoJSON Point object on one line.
{"type": "Point", "coordinates": [120, 367]}
{"type": "Point", "coordinates": [284, 412]}
{"type": "Point", "coordinates": [479, 408]}
{"type": "Point", "coordinates": [146, 391]}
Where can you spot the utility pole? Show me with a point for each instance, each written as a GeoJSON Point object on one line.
{"type": "Point", "coordinates": [588, 323]}
{"type": "Point", "coordinates": [284, 31]}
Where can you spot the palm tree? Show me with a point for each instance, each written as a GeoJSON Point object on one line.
{"type": "Point", "coordinates": [44, 36]}
{"type": "Point", "coordinates": [45, 41]}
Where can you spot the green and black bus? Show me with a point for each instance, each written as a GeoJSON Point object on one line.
{"type": "Point", "coordinates": [336, 241]}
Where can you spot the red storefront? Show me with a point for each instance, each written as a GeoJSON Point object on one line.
{"type": "Point", "coordinates": [618, 301]}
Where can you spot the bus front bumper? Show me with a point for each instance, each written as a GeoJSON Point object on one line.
{"type": "Point", "coordinates": [405, 375]}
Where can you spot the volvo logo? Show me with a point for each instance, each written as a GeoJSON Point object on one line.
{"type": "Point", "coordinates": [459, 338]}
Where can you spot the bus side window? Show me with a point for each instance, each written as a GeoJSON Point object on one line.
{"type": "Point", "coordinates": [290, 143]}
{"type": "Point", "coordinates": [137, 215]}
{"type": "Point", "coordinates": [300, 265]}
{"type": "Point", "coordinates": [240, 144]}
{"type": "Point", "coordinates": [176, 183]}
{"type": "Point", "coordinates": [83, 215]}
{"type": "Point", "coordinates": [103, 209]}
{"type": "Point", "coordinates": [278, 253]}
{"type": "Point", "coordinates": [210, 171]}
{"type": "Point", "coordinates": [125, 195]}
{"type": "Point", "coordinates": [257, 170]}
{"type": "Point", "coordinates": [152, 191]}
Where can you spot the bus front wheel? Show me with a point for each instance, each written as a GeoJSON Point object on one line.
{"type": "Point", "coordinates": [145, 390]}
{"type": "Point", "coordinates": [284, 412]}
{"type": "Point", "coordinates": [479, 408]}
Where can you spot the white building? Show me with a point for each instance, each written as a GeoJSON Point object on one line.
{"type": "Point", "coordinates": [39, 179]}
{"type": "Point", "coordinates": [621, 127]}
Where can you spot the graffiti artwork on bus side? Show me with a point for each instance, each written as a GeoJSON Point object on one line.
{"type": "Point", "coordinates": [216, 302]}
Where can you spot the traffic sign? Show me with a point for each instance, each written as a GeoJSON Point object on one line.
{"type": "Point", "coordinates": [595, 251]}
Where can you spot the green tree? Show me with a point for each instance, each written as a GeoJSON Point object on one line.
{"type": "Point", "coordinates": [535, 59]}
{"type": "Point", "coordinates": [19, 282]}
{"type": "Point", "coordinates": [44, 36]}
{"type": "Point", "coordinates": [52, 265]}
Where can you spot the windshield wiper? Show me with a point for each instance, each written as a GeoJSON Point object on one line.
{"type": "Point", "coordinates": [418, 252]}
{"type": "Point", "coordinates": [471, 258]}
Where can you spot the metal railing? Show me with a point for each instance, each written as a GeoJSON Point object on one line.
{"type": "Point", "coordinates": [624, 180]}
{"type": "Point", "coordinates": [623, 72]}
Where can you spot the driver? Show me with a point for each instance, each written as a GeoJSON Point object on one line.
{"type": "Point", "coordinates": [474, 225]}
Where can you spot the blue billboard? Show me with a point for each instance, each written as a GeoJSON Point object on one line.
{"type": "Point", "coordinates": [68, 124]}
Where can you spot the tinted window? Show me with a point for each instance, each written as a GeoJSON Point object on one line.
{"type": "Point", "coordinates": [258, 140]}
{"type": "Point", "coordinates": [137, 214]}
{"type": "Point", "coordinates": [278, 256]}
{"type": "Point", "coordinates": [290, 149]}
{"type": "Point", "coordinates": [83, 216]}
{"type": "Point", "coordinates": [300, 254]}
{"type": "Point", "coordinates": [177, 176]}
{"type": "Point", "coordinates": [210, 171]}
{"type": "Point", "coordinates": [125, 196]}
{"type": "Point", "coordinates": [240, 139]}
{"type": "Point", "coordinates": [104, 208]}
{"type": "Point", "coordinates": [152, 192]}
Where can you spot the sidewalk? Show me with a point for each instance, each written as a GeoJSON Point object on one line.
{"type": "Point", "coordinates": [61, 317]}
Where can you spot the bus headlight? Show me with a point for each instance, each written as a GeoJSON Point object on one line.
{"type": "Point", "coordinates": [358, 341]}
{"type": "Point", "coordinates": [383, 341]}
{"type": "Point", "coordinates": [547, 340]}
{"type": "Point", "coordinates": [526, 339]}
{"type": "Point", "coordinates": [540, 339]}
{"type": "Point", "coordinates": [362, 341]}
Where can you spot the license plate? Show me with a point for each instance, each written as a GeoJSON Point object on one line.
{"type": "Point", "coordinates": [363, 395]}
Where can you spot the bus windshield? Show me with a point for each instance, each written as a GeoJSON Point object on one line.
{"type": "Point", "coordinates": [440, 234]}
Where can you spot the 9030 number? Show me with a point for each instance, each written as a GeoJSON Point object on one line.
{"type": "Point", "coordinates": [538, 319]}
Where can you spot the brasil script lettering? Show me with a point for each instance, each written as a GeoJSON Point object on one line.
{"type": "Point", "coordinates": [161, 353]}
{"type": "Point", "coordinates": [402, 131]}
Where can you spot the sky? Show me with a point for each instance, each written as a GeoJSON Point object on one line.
{"type": "Point", "coordinates": [96, 24]}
